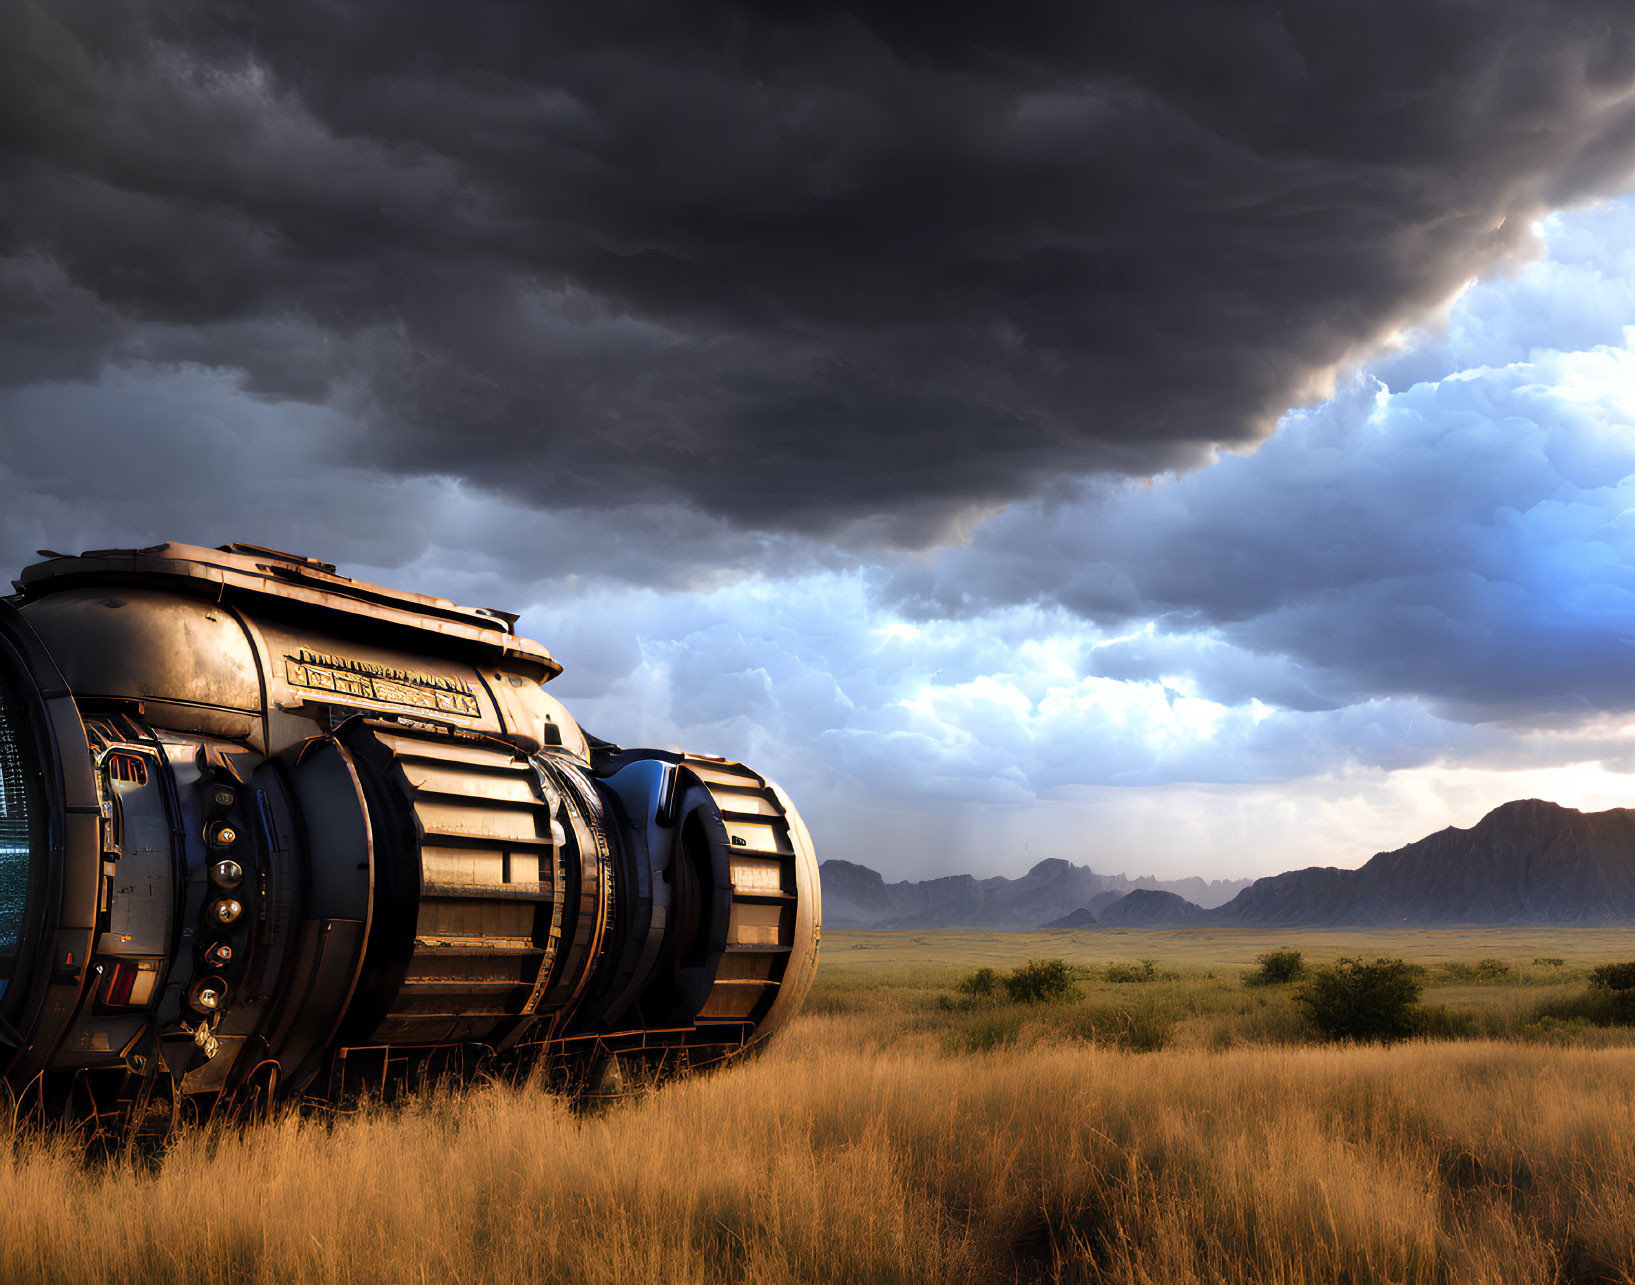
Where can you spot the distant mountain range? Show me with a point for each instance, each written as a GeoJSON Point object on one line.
{"type": "Point", "coordinates": [1527, 862]}
{"type": "Point", "coordinates": [855, 896]}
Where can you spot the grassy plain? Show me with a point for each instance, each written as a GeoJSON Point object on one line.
{"type": "Point", "coordinates": [1185, 1128]}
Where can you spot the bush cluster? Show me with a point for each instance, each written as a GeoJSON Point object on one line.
{"type": "Point", "coordinates": [1483, 970]}
{"type": "Point", "coordinates": [982, 984]}
{"type": "Point", "coordinates": [1277, 968]}
{"type": "Point", "coordinates": [1617, 982]}
{"type": "Point", "coordinates": [1143, 970]}
{"type": "Point", "coordinates": [1613, 977]}
{"type": "Point", "coordinates": [1352, 999]}
{"type": "Point", "coordinates": [1039, 981]}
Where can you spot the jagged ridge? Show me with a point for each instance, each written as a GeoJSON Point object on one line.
{"type": "Point", "coordinates": [1526, 862]}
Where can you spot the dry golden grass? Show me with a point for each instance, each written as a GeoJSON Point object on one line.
{"type": "Point", "coordinates": [861, 1147]}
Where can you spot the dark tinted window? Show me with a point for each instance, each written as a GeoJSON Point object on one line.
{"type": "Point", "coordinates": [16, 831]}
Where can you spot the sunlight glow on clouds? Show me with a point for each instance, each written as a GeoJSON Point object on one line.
{"type": "Point", "coordinates": [1413, 603]}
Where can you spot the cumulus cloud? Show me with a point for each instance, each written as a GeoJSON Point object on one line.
{"type": "Point", "coordinates": [988, 742]}
{"type": "Point", "coordinates": [852, 270]}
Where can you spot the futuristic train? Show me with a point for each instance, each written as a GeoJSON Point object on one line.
{"type": "Point", "coordinates": [268, 833]}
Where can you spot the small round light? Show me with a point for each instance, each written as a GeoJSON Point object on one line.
{"type": "Point", "coordinates": [218, 955]}
{"type": "Point", "coordinates": [206, 996]}
{"type": "Point", "coordinates": [226, 873]}
{"type": "Point", "coordinates": [223, 798]}
{"type": "Point", "coordinates": [223, 835]}
{"type": "Point", "coordinates": [226, 911]}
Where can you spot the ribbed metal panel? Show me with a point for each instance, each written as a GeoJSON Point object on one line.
{"type": "Point", "coordinates": [760, 933]}
{"type": "Point", "coordinates": [489, 870]}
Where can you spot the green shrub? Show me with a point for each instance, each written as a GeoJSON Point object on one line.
{"type": "Point", "coordinates": [1041, 981]}
{"type": "Point", "coordinates": [1277, 968]}
{"type": "Point", "coordinates": [1613, 977]}
{"type": "Point", "coordinates": [1616, 983]}
{"type": "Point", "coordinates": [1357, 1000]}
{"type": "Point", "coordinates": [1549, 961]}
{"type": "Point", "coordinates": [1143, 970]}
{"type": "Point", "coordinates": [982, 984]}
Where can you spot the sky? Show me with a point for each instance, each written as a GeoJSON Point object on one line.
{"type": "Point", "coordinates": [1181, 438]}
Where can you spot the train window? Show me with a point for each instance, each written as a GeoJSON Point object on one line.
{"type": "Point", "coordinates": [17, 820]}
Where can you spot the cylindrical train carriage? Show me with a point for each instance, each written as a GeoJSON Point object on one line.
{"type": "Point", "coordinates": [266, 831]}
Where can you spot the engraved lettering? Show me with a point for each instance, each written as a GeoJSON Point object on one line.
{"type": "Point", "coordinates": [386, 684]}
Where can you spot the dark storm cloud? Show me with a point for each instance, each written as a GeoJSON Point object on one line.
{"type": "Point", "coordinates": [135, 458]}
{"type": "Point", "coordinates": [801, 267]}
